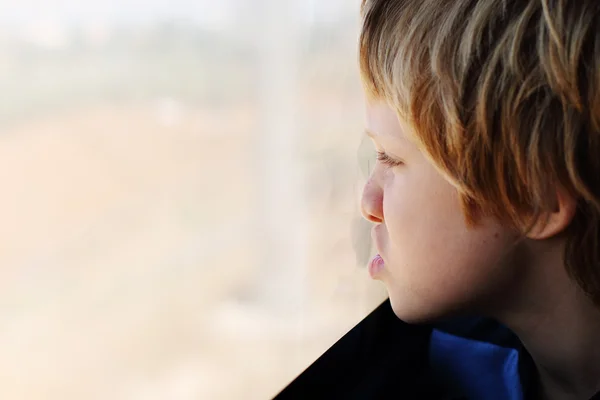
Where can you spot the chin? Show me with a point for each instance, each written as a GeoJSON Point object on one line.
{"type": "Point", "coordinates": [415, 312]}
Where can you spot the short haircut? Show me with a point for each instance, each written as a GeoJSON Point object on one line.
{"type": "Point", "coordinates": [504, 97]}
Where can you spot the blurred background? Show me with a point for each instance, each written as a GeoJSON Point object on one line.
{"type": "Point", "coordinates": [180, 195]}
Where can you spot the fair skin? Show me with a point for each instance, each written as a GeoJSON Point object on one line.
{"type": "Point", "coordinates": [435, 266]}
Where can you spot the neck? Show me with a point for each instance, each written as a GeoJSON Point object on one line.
{"type": "Point", "coordinates": [558, 325]}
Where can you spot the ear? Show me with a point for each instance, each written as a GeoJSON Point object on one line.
{"type": "Point", "coordinates": [555, 222]}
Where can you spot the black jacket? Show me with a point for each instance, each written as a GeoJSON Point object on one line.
{"type": "Point", "coordinates": [385, 358]}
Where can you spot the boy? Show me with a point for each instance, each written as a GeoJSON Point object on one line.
{"type": "Point", "coordinates": [486, 196]}
{"type": "Point", "coordinates": [485, 115]}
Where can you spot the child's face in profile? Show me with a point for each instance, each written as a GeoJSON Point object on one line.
{"type": "Point", "coordinates": [433, 265]}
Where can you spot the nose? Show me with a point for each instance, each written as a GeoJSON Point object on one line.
{"type": "Point", "coordinates": [371, 205]}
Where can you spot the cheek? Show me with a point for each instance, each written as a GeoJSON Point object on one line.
{"type": "Point", "coordinates": [429, 245]}
{"type": "Point", "coordinates": [435, 265]}
{"type": "Point", "coordinates": [421, 213]}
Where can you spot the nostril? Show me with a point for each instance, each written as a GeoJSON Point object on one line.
{"type": "Point", "coordinates": [374, 219]}
{"type": "Point", "coordinates": [370, 215]}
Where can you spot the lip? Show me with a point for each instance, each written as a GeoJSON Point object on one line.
{"type": "Point", "coordinates": [377, 263]}
{"type": "Point", "coordinates": [376, 266]}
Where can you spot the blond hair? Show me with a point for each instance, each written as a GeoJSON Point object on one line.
{"type": "Point", "coordinates": [504, 97]}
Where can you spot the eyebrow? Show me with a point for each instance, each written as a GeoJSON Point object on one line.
{"type": "Point", "coordinates": [376, 136]}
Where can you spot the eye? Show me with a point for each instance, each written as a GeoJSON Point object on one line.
{"type": "Point", "coordinates": [387, 160]}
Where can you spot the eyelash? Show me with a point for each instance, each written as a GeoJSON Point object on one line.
{"type": "Point", "coordinates": [384, 158]}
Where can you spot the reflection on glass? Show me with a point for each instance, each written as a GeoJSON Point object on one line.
{"type": "Point", "coordinates": [180, 196]}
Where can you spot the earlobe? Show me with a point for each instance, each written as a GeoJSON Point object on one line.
{"type": "Point", "coordinates": [553, 223]}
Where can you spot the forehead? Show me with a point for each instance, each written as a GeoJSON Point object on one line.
{"type": "Point", "coordinates": [383, 123]}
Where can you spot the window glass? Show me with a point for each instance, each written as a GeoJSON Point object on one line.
{"type": "Point", "coordinates": [180, 207]}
